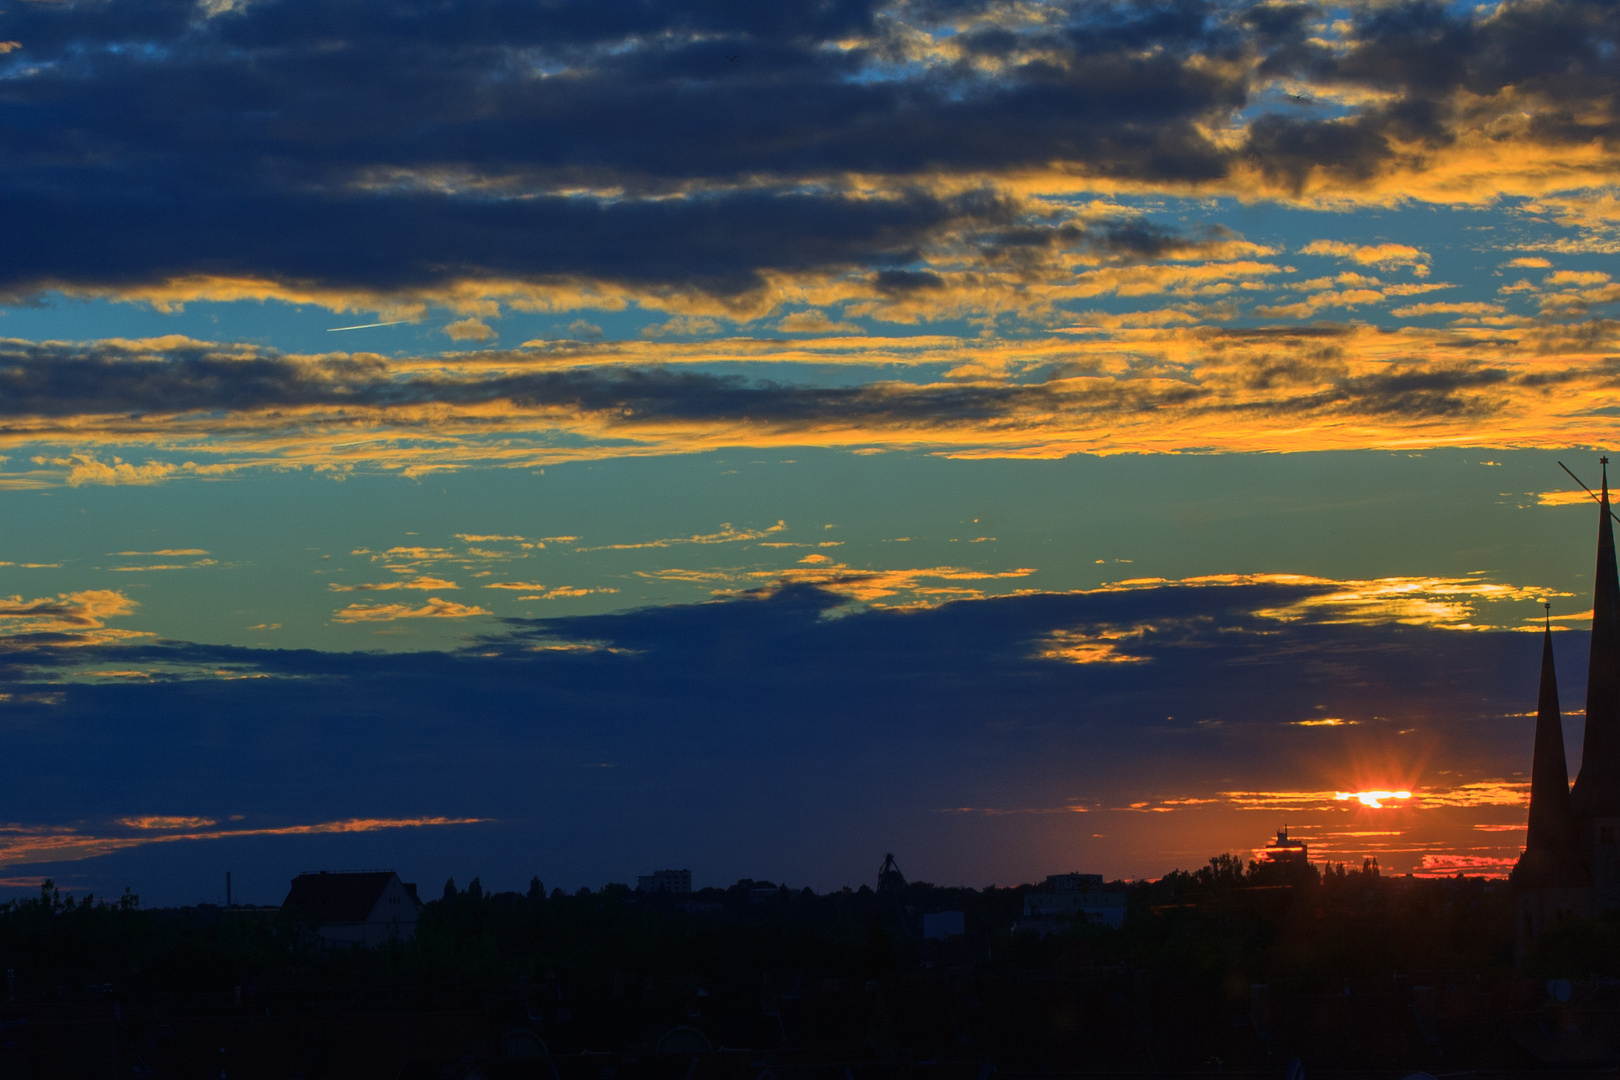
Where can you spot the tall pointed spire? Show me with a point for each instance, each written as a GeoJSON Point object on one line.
{"type": "Point", "coordinates": [1552, 845]}
{"type": "Point", "coordinates": [1597, 789]}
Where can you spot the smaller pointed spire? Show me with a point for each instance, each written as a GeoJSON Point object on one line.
{"type": "Point", "coordinates": [1552, 856]}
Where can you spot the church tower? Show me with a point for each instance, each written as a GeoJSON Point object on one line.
{"type": "Point", "coordinates": [1596, 798]}
{"type": "Point", "coordinates": [1551, 879]}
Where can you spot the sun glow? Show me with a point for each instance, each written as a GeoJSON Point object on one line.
{"type": "Point", "coordinates": [1374, 799]}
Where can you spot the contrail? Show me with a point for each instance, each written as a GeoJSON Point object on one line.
{"type": "Point", "coordinates": [367, 326]}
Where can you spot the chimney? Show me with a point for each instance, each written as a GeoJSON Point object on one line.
{"type": "Point", "coordinates": [227, 889]}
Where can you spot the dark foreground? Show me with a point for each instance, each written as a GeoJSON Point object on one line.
{"type": "Point", "coordinates": [1242, 972]}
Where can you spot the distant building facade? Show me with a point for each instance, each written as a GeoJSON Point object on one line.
{"type": "Point", "coordinates": [1571, 860]}
{"type": "Point", "coordinates": [943, 925]}
{"type": "Point", "coordinates": [1069, 895]}
{"type": "Point", "coordinates": [670, 881]}
{"type": "Point", "coordinates": [370, 907]}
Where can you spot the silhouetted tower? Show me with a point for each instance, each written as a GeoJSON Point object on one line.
{"type": "Point", "coordinates": [1551, 878]}
{"type": "Point", "coordinates": [1596, 798]}
{"type": "Point", "coordinates": [889, 875]}
{"type": "Point", "coordinates": [890, 882]}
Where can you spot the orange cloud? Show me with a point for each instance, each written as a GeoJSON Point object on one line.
{"type": "Point", "coordinates": [1099, 646]}
{"type": "Point", "coordinates": [728, 534]}
{"type": "Point", "coordinates": [159, 821]}
{"type": "Point", "coordinates": [44, 843]}
{"type": "Point", "coordinates": [1445, 603]}
{"type": "Point", "coordinates": [435, 608]}
{"type": "Point", "coordinates": [77, 618]}
{"type": "Point", "coordinates": [1087, 390]}
{"type": "Point", "coordinates": [425, 584]}
{"type": "Point", "coordinates": [1383, 256]}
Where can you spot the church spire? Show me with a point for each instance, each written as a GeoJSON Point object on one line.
{"type": "Point", "coordinates": [1597, 788]}
{"type": "Point", "coordinates": [1552, 845]}
{"type": "Point", "coordinates": [1552, 822]}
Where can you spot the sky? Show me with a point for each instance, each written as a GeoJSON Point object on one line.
{"type": "Point", "coordinates": [509, 438]}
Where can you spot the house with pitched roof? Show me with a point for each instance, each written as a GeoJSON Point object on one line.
{"type": "Point", "coordinates": [370, 907]}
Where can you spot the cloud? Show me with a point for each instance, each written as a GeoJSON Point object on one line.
{"type": "Point", "coordinates": [165, 552]}
{"type": "Point", "coordinates": [207, 411]}
{"type": "Point", "coordinates": [469, 330]}
{"type": "Point", "coordinates": [1447, 603]}
{"type": "Point", "coordinates": [793, 692]}
{"type": "Point", "coordinates": [435, 608]}
{"type": "Point", "coordinates": [425, 584]}
{"type": "Point", "coordinates": [159, 821]}
{"type": "Point", "coordinates": [1415, 311]}
{"type": "Point", "coordinates": [1384, 256]}
{"type": "Point", "coordinates": [815, 322]}
{"type": "Point", "coordinates": [567, 592]}
{"type": "Point", "coordinates": [1101, 647]}
{"type": "Point", "coordinates": [859, 143]}
{"type": "Point", "coordinates": [728, 534]}
{"type": "Point", "coordinates": [84, 469]}
{"type": "Point", "coordinates": [32, 844]}
{"type": "Point", "coordinates": [70, 619]}
{"type": "Point", "coordinates": [683, 326]}
{"type": "Point", "coordinates": [1563, 498]}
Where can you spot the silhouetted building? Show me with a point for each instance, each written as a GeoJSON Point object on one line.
{"type": "Point", "coordinates": [1073, 882]}
{"type": "Point", "coordinates": [1068, 896]}
{"type": "Point", "coordinates": [1571, 859]}
{"type": "Point", "coordinates": [1596, 797]}
{"type": "Point", "coordinates": [1287, 852]}
{"type": "Point", "coordinates": [891, 882]}
{"type": "Point", "coordinates": [1551, 879]}
{"type": "Point", "coordinates": [366, 908]}
{"type": "Point", "coordinates": [670, 881]}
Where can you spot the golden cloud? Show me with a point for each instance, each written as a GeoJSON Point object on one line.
{"type": "Point", "coordinates": [77, 618]}
{"type": "Point", "coordinates": [1100, 645]}
{"type": "Point", "coordinates": [469, 330]}
{"type": "Point", "coordinates": [1413, 311]}
{"type": "Point", "coordinates": [424, 584]}
{"type": "Point", "coordinates": [1564, 498]}
{"type": "Point", "coordinates": [727, 534]}
{"type": "Point", "coordinates": [435, 608]}
{"type": "Point", "coordinates": [1089, 390]}
{"type": "Point", "coordinates": [1448, 603]}
{"type": "Point", "coordinates": [1383, 256]}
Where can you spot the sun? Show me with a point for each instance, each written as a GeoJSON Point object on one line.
{"type": "Point", "coordinates": [1374, 799]}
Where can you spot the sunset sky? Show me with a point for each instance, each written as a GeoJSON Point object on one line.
{"type": "Point", "coordinates": [578, 437]}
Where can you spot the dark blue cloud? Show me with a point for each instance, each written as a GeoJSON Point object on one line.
{"type": "Point", "coordinates": [772, 721]}
{"type": "Point", "coordinates": [388, 145]}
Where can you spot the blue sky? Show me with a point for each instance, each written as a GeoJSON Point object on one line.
{"type": "Point", "coordinates": [1081, 359]}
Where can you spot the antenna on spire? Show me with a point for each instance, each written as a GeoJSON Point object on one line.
{"type": "Point", "coordinates": [1546, 614]}
{"type": "Point", "coordinates": [1588, 490]}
